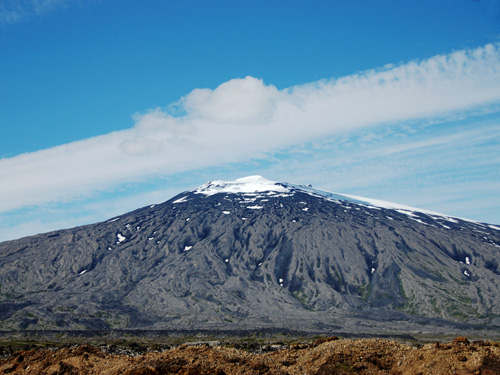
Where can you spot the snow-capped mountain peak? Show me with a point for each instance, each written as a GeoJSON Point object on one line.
{"type": "Point", "coordinates": [235, 254]}
{"type": "Point", "coordinates": [259, 184]}
{"type": "Point", "coordinates": [249, 184]}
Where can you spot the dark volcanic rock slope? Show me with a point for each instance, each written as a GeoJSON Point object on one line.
{"type": "Point", "coordinates": [225, 256]}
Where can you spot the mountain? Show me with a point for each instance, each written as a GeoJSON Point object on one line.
{"type": "Point", "coordinates": [253, 253]}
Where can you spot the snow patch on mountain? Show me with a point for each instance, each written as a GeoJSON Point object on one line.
{"type": "Point", "coordinates": [375, 203]}
{"type": "Point", "coordinates": [253, 185]}
{"type": "Point", "coordinates": [120, 238]}
{"type": "Point", "coordinates": [250, 184]}
{"type": "Point", "coordinates": [180, 200]}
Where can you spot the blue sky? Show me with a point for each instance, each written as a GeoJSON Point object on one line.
{"type": "Point", "coordinates": [106, 106]}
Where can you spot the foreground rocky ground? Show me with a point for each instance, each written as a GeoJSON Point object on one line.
{"type": "Point", "coordinates": [325, 356]}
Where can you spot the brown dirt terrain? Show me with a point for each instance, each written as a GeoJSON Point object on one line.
{"type": "Point", "coordinates": [325, 356]}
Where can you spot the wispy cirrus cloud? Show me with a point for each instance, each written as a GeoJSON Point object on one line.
{"type": "Point", "coordinates": [47, 218]}
{"type": "Point", "coordinates": [12, 11]}
{"type": "Point", "coordinates": [246, 118]}
{"type": "Point", "coordinates": [451, 168]}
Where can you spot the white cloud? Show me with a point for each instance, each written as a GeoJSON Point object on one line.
{"type": "Point", "coordinates": [244, 118]}
{"type": "Point", "coordinates": [454, 170]}
{"type": "Point", "coordinates": [240, 101]}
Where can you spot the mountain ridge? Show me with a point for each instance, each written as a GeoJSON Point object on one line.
{"type": "Point", "coordinates": [256, 253]}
